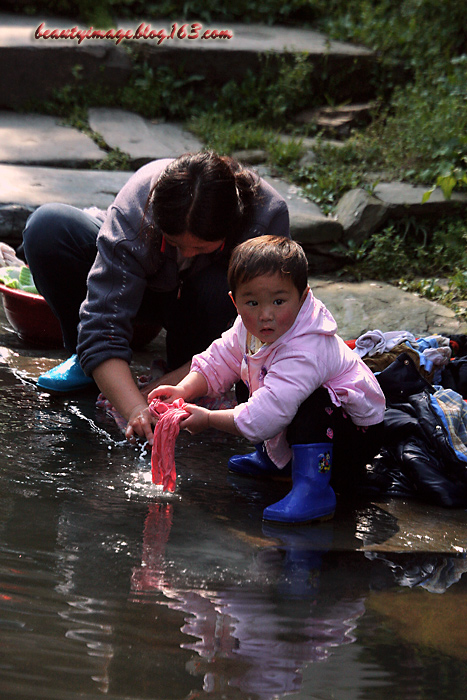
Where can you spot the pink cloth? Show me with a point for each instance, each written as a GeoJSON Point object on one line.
{"type": "Point", "coordinates": [165, 434]}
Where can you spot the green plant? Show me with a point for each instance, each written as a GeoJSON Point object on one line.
{"type": "Point", "coordinates": [270, 95]}
{"type": "Point", "coordinates": [412, 248]}
{"type": "Point", "coordinates": [114, 160]}
{"type": "Point", "coordinates": [285, 155]}
{"type": "Point", "coordinates": [225, 136]}
{"type": "Point", "coordinates": [330, 175]}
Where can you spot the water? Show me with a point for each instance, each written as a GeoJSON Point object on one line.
{"type": "Point", "coordinates": [109, 588]}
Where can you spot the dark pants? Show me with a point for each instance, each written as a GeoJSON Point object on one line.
{"type": "Point", "coordinates": [59, 245]}
{"type": "Point", "coordinates": [319, 420]}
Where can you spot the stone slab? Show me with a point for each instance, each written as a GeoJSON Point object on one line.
{"type": "Point", "coordinates": [33, 68]}
{"type": "Point", "coordinates": [253, 38]}
{"type": "Point", "coordinates": [403, 198]}
{"type": "Point", "coordinates": [291, 193]}
{"type": "Point", "coordinates": [360, 214]}
{"type": "Point", "coordinates": [143, 140]}
{"type": "Point", "coordinates": [37, 139]}
{"type": "Point", "coordinates": [233, 59]}
{"type": "Point", "coordinates": [371, 305]}
{"type": "Point", "coordinates": [308, 224]}
{"type": "Point", "coordinates": [17, 30]}
{"type": "Point", "coordinates": [23, 189]}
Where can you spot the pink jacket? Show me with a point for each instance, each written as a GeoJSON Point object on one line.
{"type": "Point", "coordinates": [280, 376]}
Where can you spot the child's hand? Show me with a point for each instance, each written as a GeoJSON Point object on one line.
{"type": "Point", "coordinates": [197, 421]}
{"type": "Point", "coordinates": [166, 393]}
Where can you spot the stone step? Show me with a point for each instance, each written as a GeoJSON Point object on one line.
{"type": "Point", "coordinates": [339, 120]}
{"type": "Point", "coordinates": [33, 67]}
{"type": "Point", "coordinates": [348, 64]}
{"type": "Point", "coordinates": [361, 213]}
{"type": "Point", "coordinates": [24, 188]}
{"type": "Point", "coordinates": [143, 140]}
{"type": "Point", "coordinates": [36, 139]}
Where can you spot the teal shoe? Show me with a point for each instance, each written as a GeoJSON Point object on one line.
{"type": "Point", "coordinates": [65, 377]}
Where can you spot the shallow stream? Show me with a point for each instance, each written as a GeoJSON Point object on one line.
{"type": "Point", "coordinates": [109, 588]}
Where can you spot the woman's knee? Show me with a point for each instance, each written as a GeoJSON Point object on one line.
{"type": "Point", "coordinates": [42, 230]}
{"type": "Point", "coordinates": [56, 229]}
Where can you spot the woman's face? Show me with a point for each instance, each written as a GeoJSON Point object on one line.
{"type": "Point", "coordinates": [190, 245]}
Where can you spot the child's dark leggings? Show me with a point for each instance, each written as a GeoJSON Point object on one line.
{"type": "Point", "coordinates": [319, 420]}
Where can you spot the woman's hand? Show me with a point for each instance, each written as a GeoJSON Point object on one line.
{"type": "Point", "coordinates": [140, 423]}
{"type": "Point", "coordinates": [167, 393]}
{"type": "Point", "coordinates": [197, 421]}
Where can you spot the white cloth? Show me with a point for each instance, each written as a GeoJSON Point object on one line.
{"type": "Point", "coordinates": [376, 342]}
{"type": "Point", "coordinates": [8, 257]}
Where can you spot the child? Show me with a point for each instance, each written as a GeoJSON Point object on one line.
{"type": "Point", "coordinates": [309, 395]}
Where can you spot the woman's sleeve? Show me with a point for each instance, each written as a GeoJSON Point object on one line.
{"type": "Point", "coordinates": [116, 285]}
{"type": "Point", "coordinates": [279, 224]}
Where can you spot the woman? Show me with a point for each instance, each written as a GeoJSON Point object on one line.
{"type": "Point", "coordinates": [162, 256]}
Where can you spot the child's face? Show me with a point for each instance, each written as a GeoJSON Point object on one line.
{"type": "Point", "coordinates": [268, 305]}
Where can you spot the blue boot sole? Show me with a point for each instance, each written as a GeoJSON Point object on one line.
{"type": "Point", "coordinates": [318, 518]}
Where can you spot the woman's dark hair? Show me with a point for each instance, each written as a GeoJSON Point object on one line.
{"type": "Point", "coordinates": [208, 195]}
{"type": "Point", "coordinates": [267, 255]}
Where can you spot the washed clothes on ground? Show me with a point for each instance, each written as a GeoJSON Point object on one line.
{"type": "Point", "coordinates": [126, 264]}
{"type": "Point", "coordinates": [281, 375]}
{"type": "Point", "coordinates": [424, 453]}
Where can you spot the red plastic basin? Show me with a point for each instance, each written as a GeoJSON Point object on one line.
{"type": "Point", "coordinates": [33, 320]}
{"type": "Point", "coordinates": [31, 317]}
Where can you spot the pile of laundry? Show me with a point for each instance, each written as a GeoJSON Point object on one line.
{"type": "Point", "coordinates": [424, 452]}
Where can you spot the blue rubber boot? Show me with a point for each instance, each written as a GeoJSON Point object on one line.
{"type": "Point", "coordinates": [65, 377]}
{"type": "Point", "coordinates": [258, 464]}
{"type": "Point", "coordinates": [311, 497]}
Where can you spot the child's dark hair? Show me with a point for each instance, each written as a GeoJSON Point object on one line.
{"type": "Point", "coordinates": [267, 255]}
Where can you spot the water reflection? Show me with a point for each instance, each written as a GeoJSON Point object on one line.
{"type": "Point", "coordinates": [108, 588]}
{"type": "Point", "coordinates": [259, 639]}
{"type": "Point", "coordinates": [248, 637]}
